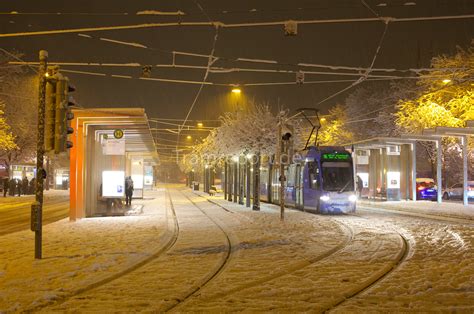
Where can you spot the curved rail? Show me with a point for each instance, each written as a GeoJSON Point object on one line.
{"type": "Point", "coordinates": [169, 244]}
{"type": "Point", "coordinates": [435, 217]}
{"type": "Point", "coordinates": [296, 267]}
{"type": "Point", "coordinates": [231, 243]}
{"type": "Point", "coordinates": [400, 259]}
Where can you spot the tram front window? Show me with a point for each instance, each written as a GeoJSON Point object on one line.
{"type": "Point", "coordinates": [337, 176]}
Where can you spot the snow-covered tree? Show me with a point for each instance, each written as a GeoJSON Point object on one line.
{"type": "Point", "coordinates": [7, 140]}
{"type": "Point", "coordinates": [250, 131]}
{"type": "Point", "coordinates": [19, 94]}
{"type": "Point", "coordinates": [445, 99]}
{"type": "Point", "coordinates": [334, 127]}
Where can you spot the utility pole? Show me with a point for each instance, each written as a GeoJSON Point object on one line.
{"type": "Point", "coordinates": [37, 207]}
{"type": "Point", "coordinates": [256, 183]}
{"type": "Point", "coordinates": [235, 180]}
{"type": "Point", "coordinates": [247, 181]}
{"type": "Point", "coordinates": [231, 180]}
{"type": "Point", "coordinates": [241, 179]}
{"type": "Point", "coordinates": [284, 140]}
{"type": "Point", "coordinates": [282, 172]}
{"type": "Point", "coordinates": [225, 180]}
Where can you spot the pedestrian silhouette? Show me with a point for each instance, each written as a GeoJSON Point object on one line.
{"type": "Point", "coordinates": [6, 186]}
{"type": "Point", "coordinates": [128, 191]}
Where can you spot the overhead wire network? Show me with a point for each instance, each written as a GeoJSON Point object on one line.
{"type": "Point", "coordinates": [253, 10]}
{"type": "Point", "coordinates": [209, 69]}
{"type": "Point", "coordinates": [235, 25]}
{"type": "Point", "coordinates": [369, 69]}
{"type": "Point", "coordinates": [210, 62]}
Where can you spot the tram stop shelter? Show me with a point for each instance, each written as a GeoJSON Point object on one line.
{"type": "Point", "coordinates": [109, 144]}
{"type": "Point", "coordinates": [387, 165]}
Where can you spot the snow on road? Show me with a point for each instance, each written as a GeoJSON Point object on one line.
{"type": "Point", "coordinates": [76, 255]}
{"type": "Point", "coordinates": [438, 276]}
{"type": "Point", "coordinates": [240, 260]}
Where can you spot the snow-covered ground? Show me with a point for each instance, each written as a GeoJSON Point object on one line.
{"type": "Point", "coordinates": [221, 256]}
{"type": "Point", "coordinates": [446, 209]}
{"type": "Point", "coordinates": [76, 255]}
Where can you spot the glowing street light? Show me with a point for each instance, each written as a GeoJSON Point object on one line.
{"type": "Point", "coordinates": [188, 137]}
{"type": "Point", "coordinates": [200, 125]}
{"type": "Point", "coordinates": [236, 91]}
{"type": "Point", "coordinates": [446, 81]}
{"type": "Point", "coordinates": [323, 119]}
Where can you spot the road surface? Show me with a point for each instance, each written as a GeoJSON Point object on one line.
{"type": "Point", "coordinates": [15, 212]}
{"type": "Point", "coordinates": [189, 253]}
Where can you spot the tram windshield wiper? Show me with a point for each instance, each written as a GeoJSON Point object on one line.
{"type": "Point", "coordinates": [345, 186]}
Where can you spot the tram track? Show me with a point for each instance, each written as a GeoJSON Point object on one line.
{"type": "Point", "coordinates": [349, 232]}
{"type": "Point", "coordinates": [375, 280]}
{"type": "Point", "coordinates": [433, 217]}
{"type": "Point", "coordinates": [169, 244]}
{"type": "Point", "coordinates": [231, 244]}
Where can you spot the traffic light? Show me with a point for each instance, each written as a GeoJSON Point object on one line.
{"type": "Point", "coordinates": [63, 115]}
{"type": "Point", "coordinates": [57, 112]}
{"type": "Point", "coordinates": [50, 114]}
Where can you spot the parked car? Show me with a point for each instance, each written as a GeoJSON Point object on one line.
{"type": "Point", "coordinates": [456, 191]}
{"type": "Point", "coordinates": [426, 189]}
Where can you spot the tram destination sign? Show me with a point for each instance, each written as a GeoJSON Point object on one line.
{"type": "Point", "coordinates": [336, 156]}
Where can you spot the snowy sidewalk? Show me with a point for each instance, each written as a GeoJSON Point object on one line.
{"type": "Point", "coordinates": [77, 255]}
{"type": "Point", "coordinates": [446, 209]}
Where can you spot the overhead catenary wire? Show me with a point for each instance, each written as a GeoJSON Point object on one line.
{"type": "Point", "coordinates": [223, 70]}
{"type": "Point", "coordinates": [253, 10]}
{"type": "Point", "coordinates": [18, 59]}
{"type": "Point", "coordinates": [221, 24]}
{"type": "Point", "coordinates": [231, 59]}
{"type": "Point", "coordinates": [210, 61]}
{"type": "Point", "coordinates": [167, 80]}
{"type": "Point", "coordinates": [365, 75]}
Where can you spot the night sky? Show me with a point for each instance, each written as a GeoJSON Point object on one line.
{"type": "Point", "coordinates": [407, 44]}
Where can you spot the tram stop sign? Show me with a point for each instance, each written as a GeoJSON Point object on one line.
{"type": "Point", "coordinates": [118, 133]}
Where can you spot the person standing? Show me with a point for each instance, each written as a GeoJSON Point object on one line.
{"type": "Point", "coordinates": [12, 188]}
{"type": "Point", "coordinates": [6, 186]}
{"type": "Point", "coordinates": [128, 191]}
{"type": "Point", "coordinates": [32, 186]}
{"type": "Point", "coordinates": [360, 186]}
{"type": "Point", "coordinates": [18, 187]}
{"type": "Point", "coordinates": [24, 185]}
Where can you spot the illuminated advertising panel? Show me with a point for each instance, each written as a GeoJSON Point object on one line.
{"type": "Point", "coordinates": [137, 181]}
{"type": "Point", "coordinates": [393, 180]}
{"type": "Point", "coordinates": [113, 183]}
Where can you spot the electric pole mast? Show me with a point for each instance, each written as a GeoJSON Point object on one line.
{"type": "Point", "coordinates": [37, 207]}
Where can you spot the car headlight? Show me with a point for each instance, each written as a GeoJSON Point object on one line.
{"type": "Point", "coordinates": [352, 198]}
{"type": "Point", "coordinates": [324, 198]}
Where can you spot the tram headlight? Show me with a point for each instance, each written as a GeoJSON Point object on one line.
{"type": "Point", "coordinates": [352, 198]}
{"type": "Point", "coordinates": [324, 198]}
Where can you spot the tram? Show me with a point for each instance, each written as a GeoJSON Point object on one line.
{"type": "Point", "coordinates": [321, 182]}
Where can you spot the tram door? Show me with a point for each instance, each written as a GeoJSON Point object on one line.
{"type": "Point", "coordinates": [275, 185]}
{"type": "Point", "coordinates": [299, 187]}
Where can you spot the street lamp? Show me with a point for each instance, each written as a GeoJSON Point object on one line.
{"type": "Point", "coordinates": [446, 81]}
{"type": "Point", "coordinates": [236, 90]}
{"type": "Point", "coordinates": [200, 125]}
{"type": "Point", "coordinates": [188, 137]}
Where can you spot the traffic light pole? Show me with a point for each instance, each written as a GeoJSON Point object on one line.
{"type": "Point", "coordinates": [282, 172]}
{"type": "Point", "coordinates": [37, 208]}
